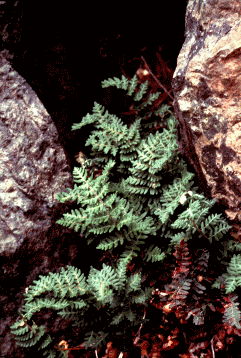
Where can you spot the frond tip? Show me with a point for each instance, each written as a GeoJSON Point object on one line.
{"type": "Point", "coordinates": [232, 314]}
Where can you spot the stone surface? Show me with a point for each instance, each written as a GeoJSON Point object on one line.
{"type": "Point", "coordinates": [207, 91]}
{"type": "Point", "coordinates": [33, 165]}
{"type": "Point", "coordinates": [33, 169]}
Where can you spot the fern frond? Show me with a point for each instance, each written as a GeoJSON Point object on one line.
{"type": "Point", "coordinates": [100, 281]}
{"type": "Point", "coordinates": [232, 312]}
{"type": "Point", "coordinates": [95, 340]}
{"type": "Point", "coordinates": [123, 83]}
{"type": "Point", "coordinates": [143, 88]}
{"type": "Point", "coordinates": [154, 254]}
{"type": "Point", "coordinates": [136, 197]}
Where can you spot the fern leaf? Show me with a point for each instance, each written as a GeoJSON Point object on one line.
{"type": "Point", "coordinates": [154, 254]}
{"type": "Point", "coordinates": [141, 92]}
{"type": "Point", "coordinates": [232, 313]}
{"type": "Point", "coordinates": [95, 340]}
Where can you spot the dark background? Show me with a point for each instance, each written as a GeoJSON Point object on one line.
{"type": "Point", "coordinates": [64, 51]}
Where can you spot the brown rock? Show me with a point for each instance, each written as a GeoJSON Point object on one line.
{"type": "Point", "coordinates": [207, 91]}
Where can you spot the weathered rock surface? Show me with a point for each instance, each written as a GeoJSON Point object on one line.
{"type": "Point", "coordinates": [33, 165]}
{"type": "Point", "coordinates": [207, 91]}
{"type": "Point", "coordinates": [33, 169]}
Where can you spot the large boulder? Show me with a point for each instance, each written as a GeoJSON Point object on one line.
{"type": "Point", "coordinates": [207, 91]}
{"type": "Point", "coordinates": [33, 164]}
{"type": "Point", "coordinates": [33, 169]}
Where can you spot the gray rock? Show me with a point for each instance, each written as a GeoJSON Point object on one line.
{"type": "Point", "coordinates": [207, 88]}
{"type": "Point", "coordinates": [33, 169]}
{"type": "Point", "coordinates": [32, 163]}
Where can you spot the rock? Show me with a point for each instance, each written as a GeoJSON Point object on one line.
{"type": "Point", "coordinates": [32, 163]}
{"type": "Point", "coordinates": [33, 169]}
{"type": "Point", "coordinates": [207, 89]}
{"type": "Point", "coordinates": [46, 56]}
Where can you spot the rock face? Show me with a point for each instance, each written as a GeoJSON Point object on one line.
{"type": "Point", "coordinates": [32, 163]}
{"type": "Point", "coordinates": [207, 91]}
{"type": "Point", "coordinates": [33, 169]}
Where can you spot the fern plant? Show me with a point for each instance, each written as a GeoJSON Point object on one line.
{"type": "Point", "coordinates": [137, 203]}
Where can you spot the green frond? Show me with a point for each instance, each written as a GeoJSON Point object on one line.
{"type": "Point", "coordinates": [133, 283]}
{"type": "Point", "coordinates": [234, 245]}
{"type": "Point", "coordinates": [99, 282]}
{"type": "Point", "coordinates": [143, 88]}
{"type": "Point", "coordinates": [136, 200]}
{"type": "Point", "coordinates": [143, 297]}
{"type": "Point", "coordinates": [154, 254]}
{"type": "Point", "coordinates": [110, 242]}
{"type": "Point", "coordinates": [123, 83]}
{"type": "Point", "coordinates": [26, 337]}
{"type": "Point", "coordinates": [233, 276]}
{"type": "Point", "coordinates": [151, 98]}
{"type": "Point", "coordinates": [132, 85]}
{"type": "Point", "coordinates": [95, 340]}
{"type": "Point", "coordinates": [232, 312]}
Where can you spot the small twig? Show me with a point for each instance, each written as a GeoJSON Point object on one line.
{"type": "Point", "coordinates": [212, 348]}
{"type": "Point", "coordinates": [199, 230]}
{"type": "Point", "coordinates": [136, 340]}
{"type": "Point", "coordinates": [158, 82]}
